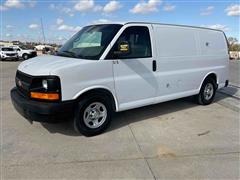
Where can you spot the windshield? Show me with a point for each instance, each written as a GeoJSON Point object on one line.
{"type": "Point", "coordinates": [7, 49]}
{"type": "Point", "coordinates": [24, 48]}
{"type": "Point", "coordinates": [90, 42]}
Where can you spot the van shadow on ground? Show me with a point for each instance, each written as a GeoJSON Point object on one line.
{"type": "Point", "coordinates": [231, 90]}
{"type": "Point", "coordinates": [125, 118]}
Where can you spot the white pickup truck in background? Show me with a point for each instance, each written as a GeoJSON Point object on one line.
{"type": "Point", "coordinates": [25, 53]}
{"type": "Point", "coordinates": [8, 53]}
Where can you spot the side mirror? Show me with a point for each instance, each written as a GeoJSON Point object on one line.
{"type": "Point", "coordinates": [123, 49]}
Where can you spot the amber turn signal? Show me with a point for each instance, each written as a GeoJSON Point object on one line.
{"type": "Point", "coordinates": [45, 96]}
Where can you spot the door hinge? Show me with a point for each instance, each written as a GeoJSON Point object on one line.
{"type": "Point", "coordinates": [115, 62]}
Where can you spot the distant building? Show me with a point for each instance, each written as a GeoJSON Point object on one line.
{"type": "Point", "coordinates": [16, 42]}
{"type": "Point", "coordinates": [6, 43]}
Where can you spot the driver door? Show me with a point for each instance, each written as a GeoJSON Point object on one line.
{"type": "Point", "coordinates": [134, 72]}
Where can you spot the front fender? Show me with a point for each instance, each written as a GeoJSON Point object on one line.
{"type": "Point", "coordinates": [98, 87]}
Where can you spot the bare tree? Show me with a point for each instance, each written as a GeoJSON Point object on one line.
{"type": "Point", "coordinates": [232, 41]}
{"type": "Point", "coordinates": [233, 44]}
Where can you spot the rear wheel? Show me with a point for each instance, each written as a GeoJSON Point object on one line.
{"type": "Point", "coordinates": [207, 92]}
{"type": "Point", "coordinates": [92, 115]}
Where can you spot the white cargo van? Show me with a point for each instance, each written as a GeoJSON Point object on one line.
{"type": "Point", "coordinates": [115, 67]}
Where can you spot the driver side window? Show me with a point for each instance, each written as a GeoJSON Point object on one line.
{"type": "Point", "coordinates": [139, 42]}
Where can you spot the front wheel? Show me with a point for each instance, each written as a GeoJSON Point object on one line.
{"type": "Point", "coordinates": [207, 92]}
{"type": "Point", "coordinates": [25, 56]}
{"type": "Point", "coordinates": [92, 115]}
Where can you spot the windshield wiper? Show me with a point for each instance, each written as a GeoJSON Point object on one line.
{"type": "Point", "coordinates": [72, 54]}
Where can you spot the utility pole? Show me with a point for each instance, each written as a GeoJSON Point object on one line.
{"type": "Point", "coordinates": [42, 31]}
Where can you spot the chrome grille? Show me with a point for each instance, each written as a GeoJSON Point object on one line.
{"type": "Point", "coordinates": [23, 83]}
{"type": "Point", "coordinates": [11, 54]}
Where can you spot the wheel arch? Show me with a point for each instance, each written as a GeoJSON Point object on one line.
{"type": "Point", "coordinates": [99, 90]}
{"type": "Point", "coordinates": [24, 54]}
{"type": "Point", "coordinates": [212, 75]}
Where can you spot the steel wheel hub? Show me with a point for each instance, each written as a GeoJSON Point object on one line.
{"type": "Point", "coordinates": [95, 115]}
{"type": "Point", "coordinates": [208, 91]}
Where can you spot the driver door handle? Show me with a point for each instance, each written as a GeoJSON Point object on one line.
{"type": "Point", "coordinates": [154, 65]}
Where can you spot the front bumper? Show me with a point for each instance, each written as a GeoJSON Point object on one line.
{"type": "Point", "coordinates": [9, 57]}
{"type": "Point", "coordinates": [50, 112]}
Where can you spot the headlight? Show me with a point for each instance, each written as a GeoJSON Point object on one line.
{"type": "Point", "coordinates": [45, 84]}
{"type": "Point", "coordinates": [46, 88]}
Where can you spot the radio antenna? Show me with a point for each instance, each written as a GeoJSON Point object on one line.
{"type": "Point", "coordinates": [42, 31]}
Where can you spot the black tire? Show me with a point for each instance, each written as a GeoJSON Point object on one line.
{"type": "Point", "coordinates": [79, 123]}
{"type": "Point", "coordinates": [25, 56]}
{"type": "Point", "coordinates": [203, 97]}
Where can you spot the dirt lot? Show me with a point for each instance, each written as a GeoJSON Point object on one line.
{"type": "Point", "coordinates": [172, 140]}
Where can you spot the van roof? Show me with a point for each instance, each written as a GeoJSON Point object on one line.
{"type": "Point", "coordinates": [179, 25]}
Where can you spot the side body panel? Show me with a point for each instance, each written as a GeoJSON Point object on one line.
{"type": "Point", "coordinates": [185, 57]}
{"type": "Point", "coordinates": [214, 49]}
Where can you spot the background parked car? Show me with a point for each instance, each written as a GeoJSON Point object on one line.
{"type": "Point", "coordinates": [234, 55]}
{"type": "Point", "coordinates": [24, 52]}
{"type": "Point", "coordinates": [8, 53]}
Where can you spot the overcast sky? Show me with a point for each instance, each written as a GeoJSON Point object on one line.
{"type": "Point", "coordinates": [21, 20]}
